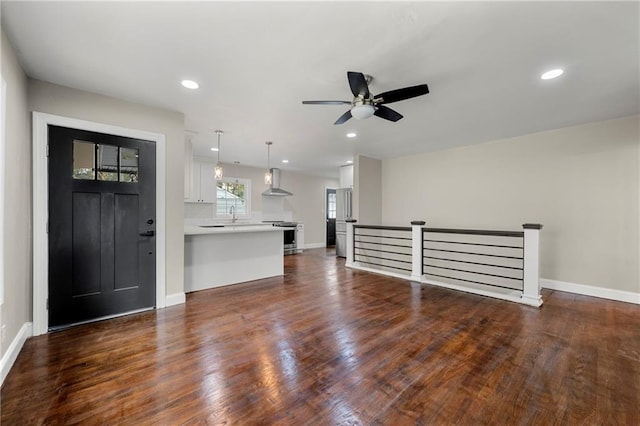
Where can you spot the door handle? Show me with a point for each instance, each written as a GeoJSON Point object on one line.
{"type": "Point", "coordinates": [148, 234]}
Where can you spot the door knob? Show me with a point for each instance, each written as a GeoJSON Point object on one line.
{"type": "Point", "coordinates": [148, 233]}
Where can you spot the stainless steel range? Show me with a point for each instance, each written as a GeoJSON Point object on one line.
{"type": "Point", "coordinates": [290, 235]}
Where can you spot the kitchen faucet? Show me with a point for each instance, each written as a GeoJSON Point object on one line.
{"type": "Point", "coordinates": [232, 212]}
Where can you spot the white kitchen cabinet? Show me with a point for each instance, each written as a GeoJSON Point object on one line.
{"type": "Point", "coordinates": [346, 176]}
{"type": "Point", "coordinates": [203, 187]}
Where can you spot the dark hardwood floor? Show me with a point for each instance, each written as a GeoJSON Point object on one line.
{"type": "Point", "coordinates": [328, 345]}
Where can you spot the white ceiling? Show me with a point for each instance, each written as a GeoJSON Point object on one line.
{"type": "Point", "coordinates": [256, 62]}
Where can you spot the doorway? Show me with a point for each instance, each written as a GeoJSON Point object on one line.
{"type": "Point", "coordinates": [41, 123]}
{"type": "Point", "coordinates": [330, 208]}
{"type": "Point", "coordinates": [102, 225]}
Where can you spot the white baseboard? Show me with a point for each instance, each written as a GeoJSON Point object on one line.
{"type": "Point", "coordinates": [482, 290]}
{"type": "Point", "coordinates": [175, 299]}
{"type": "Point", "coordinates": [314, 245]}
{"type": "Point", "coordinates": [587, 290]}
{"type": "Point", "coordinates": [14, 349]}
{"type": "Point", "coordinates": [357, 265]}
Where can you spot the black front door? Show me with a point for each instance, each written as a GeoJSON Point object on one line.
{"type": "Point", "coordinates": [331, 217]}
{"type": "Point", "coordinates": [101, 225]}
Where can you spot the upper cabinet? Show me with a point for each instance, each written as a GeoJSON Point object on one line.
{"type": "Point", "coordinates": [203, 183]}
{"type": "Point", "coordinates": [346, 176]}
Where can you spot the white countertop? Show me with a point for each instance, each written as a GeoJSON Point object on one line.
{"type": "Point", "coordinates": [232, 229]}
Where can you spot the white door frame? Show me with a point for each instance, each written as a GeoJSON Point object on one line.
{"type": "Point", "coordinates": [41, 121]}
{"type": "Point", "coordinates": [3, 168]}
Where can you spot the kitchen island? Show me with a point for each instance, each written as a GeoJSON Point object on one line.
{"type": "Point", "coordinates": [216, 255]}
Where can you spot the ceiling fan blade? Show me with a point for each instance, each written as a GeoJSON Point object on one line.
{"type": "Point", "coordinates": [344, 117]}
{"type": "Point", "coordinates": [358, 84]}
{"type": "Point", "coordinates": [326, 102]}
{"type": "Point", "coordinates": [387, 113]}
{"type": "Point", "coordinates": [402, 94]}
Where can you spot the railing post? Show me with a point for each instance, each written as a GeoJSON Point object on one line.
{"type": "Point", "coordinates": [416, 249]}
{"type": "Point", "coordinates": [350, 244]}
{"type": "Point", "coordinates": [531, 287]}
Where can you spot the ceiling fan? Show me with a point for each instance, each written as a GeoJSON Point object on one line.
{"type": "Point", "coordinates": [365, 104]}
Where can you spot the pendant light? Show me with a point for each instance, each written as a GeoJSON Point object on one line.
{"type": "Point", "coordinates": [217, 172]}
{"type": "Point", "coordinates": [268, 177]}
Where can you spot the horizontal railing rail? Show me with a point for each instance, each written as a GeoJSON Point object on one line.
{"type": "Point", "coordinates": [475, 232]}
{"type": "Point", "coordinates": [477, 253]}
{"type": "Point", "coordinates": [472, 244]}
{"type": "Point", "coordinates": [475, 263]}
{"type": "Point", "coordinates": [385, 236]}
{"type": "Point", "coordinates": [389, 228]}
{"type": "Point", "coordinates": [503, 264]}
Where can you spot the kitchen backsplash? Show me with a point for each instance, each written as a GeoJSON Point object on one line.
{"type": "Point", "coordinates": [199, 210]}
{"type": "Point", "coordinates": [273, 209]}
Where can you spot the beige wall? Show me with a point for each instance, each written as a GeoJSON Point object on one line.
{"type": "Point", "coordinates": [367, 196]}
{"type": "Point", "coordinates": [67, 102]}
{"type": "Point", "coordinates": [582, 183]}
{"type": "Point", "coordinates": [16, 310]}
{"type": "Point", "coordinates": [307, 203]}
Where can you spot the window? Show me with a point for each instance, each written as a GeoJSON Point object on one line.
{"type": "Point", "coordinates": [112, 163]}
{"type": "Point", "coordinates": [236, 193]}
{"type": "Point", "coordinates": [331, 205]}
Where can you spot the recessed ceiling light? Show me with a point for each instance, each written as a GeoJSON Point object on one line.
{"type": "Point", "coordinates": [214, 149]}
{"type": "Point", "coordinates": [351, 135]}
{"type": "Point", "coordinates": [285, 161]}
{"type": "Point", "coordinates": [349, 161]}
{"type": "Point", "coordinates": [190, 84]}
{"type": "Point", "coordinates": [552, 74]}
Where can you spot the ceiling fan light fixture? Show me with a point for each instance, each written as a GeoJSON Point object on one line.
{"type": "Point", "coordinates": [362, 111]}
{"type": "Point", "coordinates": [365, 104]}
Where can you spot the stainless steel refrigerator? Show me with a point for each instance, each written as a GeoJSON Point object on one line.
{"type": "Point", "coordinates": [344, 211]}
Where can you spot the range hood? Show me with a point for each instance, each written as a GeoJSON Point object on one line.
{"type": "Point", "coordinates": [274, 189]}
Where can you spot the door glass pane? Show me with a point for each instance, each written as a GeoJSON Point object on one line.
{"type": "Point", "coordinates": [113, 163]}
{"type": "Point", "coordinates": [331, 206]}
{"type": "Point", "coordinates": [108, 162]}
{"type": "Point", "coordinates": [84, 160]}
{"type": "Point", "coordinates": [128, 165]}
